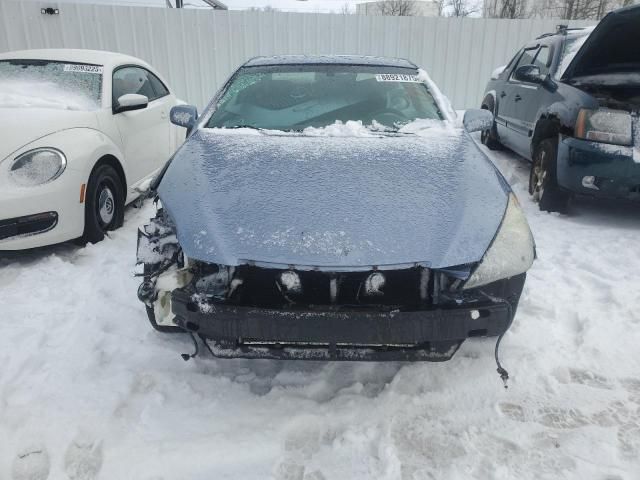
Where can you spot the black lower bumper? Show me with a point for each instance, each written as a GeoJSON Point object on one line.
{"type": "Point", "coordinates": [432, 335]}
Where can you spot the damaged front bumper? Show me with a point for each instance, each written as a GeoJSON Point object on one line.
{"type": "Point", "coordinates": [325, 333]}
{"type": "Point", "coordinates": [251, 311]}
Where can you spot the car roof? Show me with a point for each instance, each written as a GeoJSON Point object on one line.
{"type": "Point", "coordinates": [96, 57]}
{"type": "Point", "coordinates": [330, 60]}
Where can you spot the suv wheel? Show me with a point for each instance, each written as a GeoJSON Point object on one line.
{"type": "Point", "coordinates": [543, 183]}
{"type": "Point", "coordinates": [490, 137]}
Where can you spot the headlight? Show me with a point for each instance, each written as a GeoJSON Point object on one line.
{"type": "Point", "coordinates": [604, 125]}
{"type": "Point", "coordinates": [512, 251]}
{"type": "Point", "coordinates": [38, 166]}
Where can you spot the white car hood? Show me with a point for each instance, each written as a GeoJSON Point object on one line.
{"type": "Point", "coordinates": [21, 126]}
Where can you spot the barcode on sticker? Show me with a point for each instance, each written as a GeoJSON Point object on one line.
{"type": "Point", "coordinates": [397, 77]}
{"type": "Point", "coordinates": [83, 68]}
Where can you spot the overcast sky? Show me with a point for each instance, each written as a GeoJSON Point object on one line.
{"type": "Point", "coordinates": [288, 5]}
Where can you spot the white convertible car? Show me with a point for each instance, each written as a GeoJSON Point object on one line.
{"type": "Point", "coordinates": [80, 132]}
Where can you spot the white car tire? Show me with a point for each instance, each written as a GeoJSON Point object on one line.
{"type": "Point", "coordinates": [104, 203]}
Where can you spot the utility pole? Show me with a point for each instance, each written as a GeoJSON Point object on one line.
{"type": "Point", "coordinates": [179, 4]}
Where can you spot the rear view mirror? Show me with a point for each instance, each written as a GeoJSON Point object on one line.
{"type": "Point", "coordinates": [528, 74]}
{"type": "Point", "coordinates": [184, 116]}
{"type": "Point", "coordinates": [476, 120]}
{"type": "Point", "coordinates": [130, 101]}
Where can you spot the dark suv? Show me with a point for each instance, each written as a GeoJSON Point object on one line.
{"type": "Point", "coordinates": [570, 103]}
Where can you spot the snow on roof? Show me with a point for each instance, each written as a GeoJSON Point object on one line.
{"type": "Point", "coordinates": [96, 57]}
{"type": "Point", "coordinates": [330, 59]}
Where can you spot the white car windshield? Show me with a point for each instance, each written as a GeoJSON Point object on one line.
{"type": "Point", "coordinates": [50, 84]}
{"type": "Point", "coordinates": [292, 98]}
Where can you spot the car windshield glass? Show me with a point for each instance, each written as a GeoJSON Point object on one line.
{"type": "Point", "coordinates": [292, 98]}
{"type": "Point", "coordinates": [50, 84]}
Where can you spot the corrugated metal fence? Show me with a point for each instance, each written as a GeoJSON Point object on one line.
{"type": "Point", "coordinates": [196, 50]}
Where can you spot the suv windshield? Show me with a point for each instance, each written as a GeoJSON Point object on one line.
{"type": "Point", "coordinates": [292, 98]}
{"type": "Point", "coordinates": [572, 44]}
{"type": "Point", "coordinates": [50, 84]}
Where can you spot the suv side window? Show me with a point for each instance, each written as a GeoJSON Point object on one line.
{"type": "Point", "coordinates": [527, 58]}
{"type": "Point", "coordinates": [133, 80]}
{"type": "Point", "coordinates": [543, 60]}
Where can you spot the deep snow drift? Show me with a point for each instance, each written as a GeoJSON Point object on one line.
{"type": "Point", "coordinates": [89, 390]}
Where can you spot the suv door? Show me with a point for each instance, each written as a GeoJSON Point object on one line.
{"type": "Point", "coordinates": [144, 133]}
{"type": "Point", "coordinates": [532, 96]}
{"type": "Point", "coordinates": [513, 97]}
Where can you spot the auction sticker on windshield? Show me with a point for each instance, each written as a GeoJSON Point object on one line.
{"type": "Point", "coordinates": [83, 68]}
{"type": "Point", "coordinates": [396, 77]}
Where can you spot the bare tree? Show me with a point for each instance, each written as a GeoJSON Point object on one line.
{"type": "Point", "coordinates": [576, 9]}
{"type": "Point", "coordinates": [346, 9]}
{"type": "Point", "coordinates": [584, 9]}
{"type": "Point", "coordinates": [397, 8]}
{"type": "Point", "coordinates": [461, 8]}
{"type": "Point", "coordinates": [506, 9]}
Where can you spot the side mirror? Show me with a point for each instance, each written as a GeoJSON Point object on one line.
{"type": "Point", "coordinates": [184, 116]}
{"type": "Point", "coordinates": [130, 101]}
{"type": "Point", "coordinates": [528, 74]}
{"type": "Point", "coordinates": [476, 120]}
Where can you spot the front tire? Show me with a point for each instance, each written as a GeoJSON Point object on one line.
{"type": "Point", "coordinates": [490, 137]}
{"type": "Point", "coordinates": [543, 181]}
{"type": "Point", "coordinates": [104, 204]}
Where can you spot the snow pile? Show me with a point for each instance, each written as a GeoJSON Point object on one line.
{"type": "Point", "coordinates": [32, 94]}
{"type": "Point", "coordinates": [497, 72]}
{"type": "Point", "coordinates": [442, 101]}
{"type": "Point", "coordinates": [87, 386]}
{"type": "Point", "coordinates": [354, 128]}
{"type": "Point", "coordinates": [339, 129]}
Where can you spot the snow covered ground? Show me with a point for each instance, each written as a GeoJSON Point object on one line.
{"type": "Point", "coordinates": [89, 390]}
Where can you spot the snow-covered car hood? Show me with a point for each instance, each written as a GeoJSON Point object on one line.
{"type": "Point", "coordinates": [334, 202]}
{"type": "Point", "coordinates": [612, 48]}
{"type": "Point", "coordinates": [21, 126]}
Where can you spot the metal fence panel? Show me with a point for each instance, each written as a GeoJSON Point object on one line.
{"type": "Point", "coordinates": [196, 50]}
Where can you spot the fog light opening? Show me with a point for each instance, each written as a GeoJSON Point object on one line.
{"type": "Point", "coordinates": [589, 181]}
{"type": "Point", "coordinates": [374, 284]}
{"type": "Point", "coordinates": [290, 282]}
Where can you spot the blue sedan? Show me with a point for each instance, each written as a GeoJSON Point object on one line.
{"type": "Point", "coordinates": [331, 207]}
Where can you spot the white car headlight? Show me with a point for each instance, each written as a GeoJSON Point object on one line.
{"type": "Point", "coordinates": [37, 166]}
{"type": "Point", "coordinates": [512, 251]}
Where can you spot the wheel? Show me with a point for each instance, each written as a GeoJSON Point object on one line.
{"type": "Point", "coordinates": [104, 204]}
{"type": "Point", "coordinates": [543, 183]}
{"type": "Point", "coordinates": [490, 137]}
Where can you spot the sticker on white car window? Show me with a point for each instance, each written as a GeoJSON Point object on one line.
{"type": "Point", "coordinates": [397, 77]}
{"type": "Point", "coordinates": [83, 68]}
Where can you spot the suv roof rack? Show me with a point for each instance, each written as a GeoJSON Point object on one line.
{"type": "Point", "coordinates": [560, 30]}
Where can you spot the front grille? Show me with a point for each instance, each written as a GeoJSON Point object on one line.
{"type": "Point", "coordinates": [260, 287]}
{"type": "Point", "coordinates": [28, 225]}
